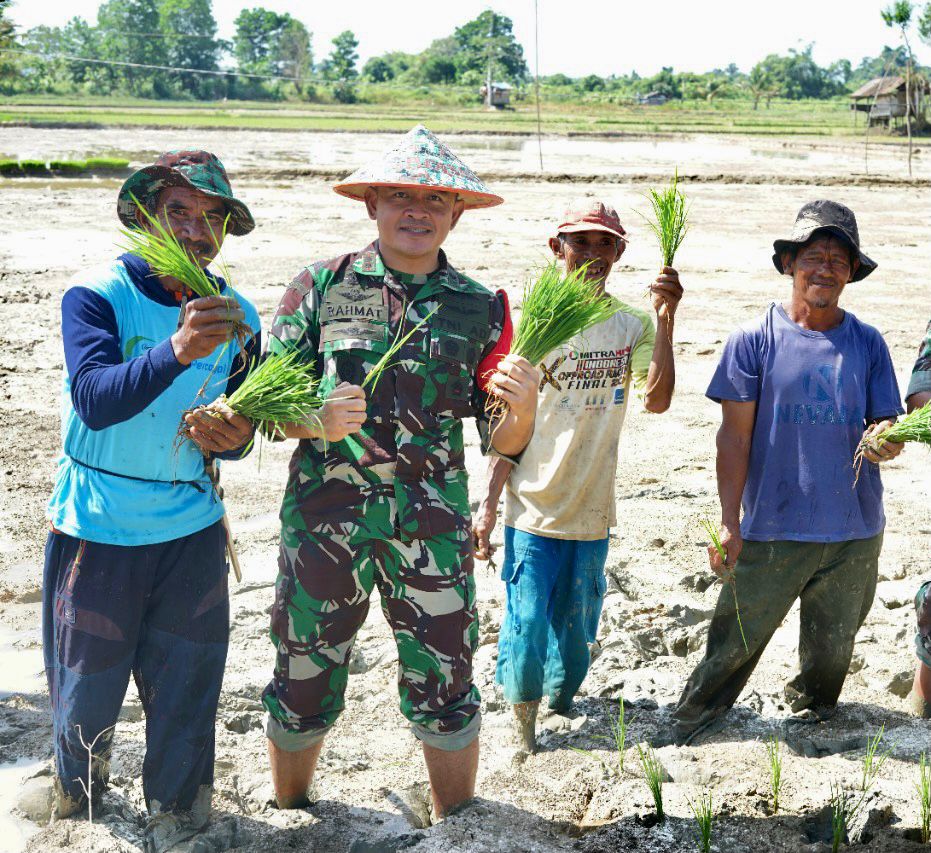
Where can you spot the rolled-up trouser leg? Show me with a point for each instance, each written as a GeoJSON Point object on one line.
{"type": "Point", "coordinates": [326, 575]}
{"type": "Point", "coordinates": [923, 618]}
{"type": "Point", "coordinates": [527, 647]}
{"type": "Point", "coordinates": [769, 577]}
{"type": "Point", "coordinates": [576, 608]}
{"type": "Point", "coordinates": [428, 597]}
{"type": "Point", "coordinates": [179, 668]}
{"type": "Point", "coordinates": [92, 601]}
{"type": "Point", "coordinates": [834, 604]}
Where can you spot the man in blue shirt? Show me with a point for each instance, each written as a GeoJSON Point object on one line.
{"type": "Point", "coordinates": [799, 389]}
{"type": "Point", "coordinates": [135, 573]}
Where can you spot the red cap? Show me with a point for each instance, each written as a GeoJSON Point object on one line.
{"type": "Point", "coordinates": [592, 216]}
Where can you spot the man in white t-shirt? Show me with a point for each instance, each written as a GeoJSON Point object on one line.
{"type": "Point", "coordinates": [560, 497]}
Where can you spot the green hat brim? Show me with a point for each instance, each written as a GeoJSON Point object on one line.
{"type": "Point", "coordinates": [143, 182]}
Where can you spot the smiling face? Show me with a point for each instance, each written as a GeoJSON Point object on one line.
{"type": "Point", "coordinates": [599, 249]}
{"type": "Point", "coordinates": [195, 218]}
{"type": "Point", "coordinates": [412, 224]}
{"type": "Point", "coordinates": [820, 270]}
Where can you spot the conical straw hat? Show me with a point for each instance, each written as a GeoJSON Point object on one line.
{"type": "Point", "coordinates": [420, 160]}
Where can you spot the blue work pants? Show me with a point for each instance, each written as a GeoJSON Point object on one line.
{"type": "Point", "coordinates": [159, 612]}
{"type": "Point", "coordinates": [555, 589]}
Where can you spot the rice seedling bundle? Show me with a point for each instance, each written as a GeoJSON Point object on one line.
{"type": "Point", "coordinates": [712, 532]}
{"type": "Point", "coordinates": [913, 427]}
{"type": "Point", "coordinates": [554, 309]}
{"type": "Point", "coordinates": [166, 257]}
{"type": "Point", "coordinates": [670, 222]}
{"type": "Point", "coordinates": [281, 390]}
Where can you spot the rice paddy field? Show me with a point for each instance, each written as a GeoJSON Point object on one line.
{"type": "Point", "coordinates": [575, 793]}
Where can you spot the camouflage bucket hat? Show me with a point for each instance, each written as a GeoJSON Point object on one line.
{"type": "Point", "coordinates": [830, 216]}
{"type": "Point", "coordinates": [199, 170]}
{"type": "Point", "coordinates": [420, 160]}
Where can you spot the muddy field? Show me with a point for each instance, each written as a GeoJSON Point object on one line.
{"type": "Point", "coordinates": [659, 602]}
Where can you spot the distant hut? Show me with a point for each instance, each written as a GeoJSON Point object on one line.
{"type": "Point", "coordinates": [883, 100]}
{"type": "Point", "coordinates": [653, 99]}
{"type": "Point", "coordinates": [500, 96]}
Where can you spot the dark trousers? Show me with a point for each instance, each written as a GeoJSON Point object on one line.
{"type": "Point", "coordinates": [160, 612]}
{"type": "Point", "coordinates": [835, 581]}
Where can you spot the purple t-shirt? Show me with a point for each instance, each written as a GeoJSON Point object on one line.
{"type": "Point", "coordinates": [814, 392]}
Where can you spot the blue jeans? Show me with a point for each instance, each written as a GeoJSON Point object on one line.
{"type": "Point", "coordinates": [555, 589]}
{"type": "Point", "coordinates": [159, 613]}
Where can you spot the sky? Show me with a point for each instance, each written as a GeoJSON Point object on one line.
{"type": "Point", "coordinates": [598, 37]}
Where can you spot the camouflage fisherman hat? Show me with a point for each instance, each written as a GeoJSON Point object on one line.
{"type": "Point", "coordinates": [420, 160]}
{"type": "Point", "coordinates": [831, 216]}
{"type": "Point", "coordinates": [199, 170]}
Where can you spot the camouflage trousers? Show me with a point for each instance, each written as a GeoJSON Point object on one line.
{"type": "Point", "coordinates": [923, 615]}
{"type": "Point", "coordinates": [330, 560]}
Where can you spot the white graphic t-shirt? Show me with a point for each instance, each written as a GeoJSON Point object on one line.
{"type": "Point", "coordinates": [564, 485]}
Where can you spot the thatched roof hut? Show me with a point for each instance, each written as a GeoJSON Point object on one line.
{"type": "Point", "coordinates": [883, 98]}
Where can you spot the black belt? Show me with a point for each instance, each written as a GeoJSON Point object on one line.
{"type": "Point", "coordinates": [197, 484]}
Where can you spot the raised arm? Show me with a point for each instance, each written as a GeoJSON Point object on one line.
{"type": "Point", "coordinates": [666, 292]}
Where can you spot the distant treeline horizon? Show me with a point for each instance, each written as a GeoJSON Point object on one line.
{"type": "Point", "coordinates": [169, 49]}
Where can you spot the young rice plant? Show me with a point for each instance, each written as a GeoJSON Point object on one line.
{"type": "Point", "coordinates": [653, 775]}
{"type": "Point", "coordinates": [670, 222]}
{"type": "Point", "coordinates": [873, 760]}
{"type": "Point", "coordinates": [372, 377]}
{"type": "Point", "coordinates": [774, 753]}
{"type": "Point", "coordinates": [704, 817]}
{"type": "Point", "coordinates": [712, 532]}
{"type": "Point", "coordinates": [913, 427]}
{"type": "Point", "coordinates": [842, 812]}
{"type": "Point", "coordinates": [924, 797]}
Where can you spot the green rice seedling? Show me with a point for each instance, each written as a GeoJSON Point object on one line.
{"type": "Point", "coordinates": [653, 775]}
{"type": "Point", "coordinates": [670, 222]}
{"type": "Point", "coordinates": [924, 797]}
{"type": "Point", "coordinates": [704, 817]}
{"type": "Point", "coordinates": [555, 308]}
{"type": "Point", "coordinates": [712, 532]}
{"type": "Point", "coordinates": [842, 812]}
{"type": "Point", "coordinates": [10, 167]}
{"type": "Point", "coordinates": [105, 163]}
{"type": "Point", "coordinates": [380, 366]}
{"type": "Point", "coordinates": [67, 167]}
{"type": "Point", "coordinates": [165, 255]}
{"type": "Point", "coordinates": [33, 167]}
{"type": "Point", "coordinates": [774, 753]}
{"type": "Point", "coordinates": [873, 760]}
{"type": "Point", "coordinates": [281, 390]}
{"type": "Point", "coordinates": [619, 734]}
{"type": "Point", "coordinates": [913, 427]}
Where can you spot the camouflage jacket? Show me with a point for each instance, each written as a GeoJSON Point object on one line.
{"type": "Point", "coordinates": [921, 373]}
{"type": "Point", "coordinates": [344, 313]}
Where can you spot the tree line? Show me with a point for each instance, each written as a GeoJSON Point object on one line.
{"type": "Point", "coordinates": [271, 56]}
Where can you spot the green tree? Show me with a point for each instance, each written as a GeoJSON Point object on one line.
{"type": "Point", "coordinates": [79, 38]}
{"type": "Point", "coordinates": [255, 44]}
{"type": "Point", "coordinates": [489, 39]}
{"type": "Point", "coordinates": [377, 70]}
{"type": "Point", "coordinates": [9, 71]}
{"type": "Point", "coordinates": [293, 53]}
{"type": "Point", "coordinates": [190, 32]}
{"type": "Point", "coordinates": [340, 67]}
{"type": "Point", "coordinates": [120, 23]}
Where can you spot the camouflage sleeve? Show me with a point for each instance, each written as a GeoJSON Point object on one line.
{"type": "Point", "coordinates": [921, 372]}
{"type": "Point", "coordinates": [297, 320]}
{"type": "Point", "coordinates": [296, 325]}
{"type": "Point", "coordinates": [501, 328]}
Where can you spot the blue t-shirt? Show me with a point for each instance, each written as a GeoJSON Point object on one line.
{"type": "Point", "coordinates": [814, 393]}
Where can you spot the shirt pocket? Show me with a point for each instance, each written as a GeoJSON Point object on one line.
{"type": "Point", "coordinates": [453, 361]}
{"type": "Point", "coordinates": [350, 349]}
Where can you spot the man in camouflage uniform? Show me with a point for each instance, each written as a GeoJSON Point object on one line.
{"type": "Point", "coordinates": [918, 395]}
{"type": "Point", "coordinates": [384, 502]}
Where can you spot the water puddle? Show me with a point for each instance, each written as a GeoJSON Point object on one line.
{"type": "Point", "coordinates": [21, 666]}
{"type": "Point", "coordinates": [15, 831]}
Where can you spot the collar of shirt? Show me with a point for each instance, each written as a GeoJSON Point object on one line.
{"type": "Point", "coordinates": [141, 275]}
{"type": "Point", "coordinates": [405, 285]}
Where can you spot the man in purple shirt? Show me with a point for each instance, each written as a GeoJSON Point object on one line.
{"type": "Point", "coordinates": [799, 389]}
